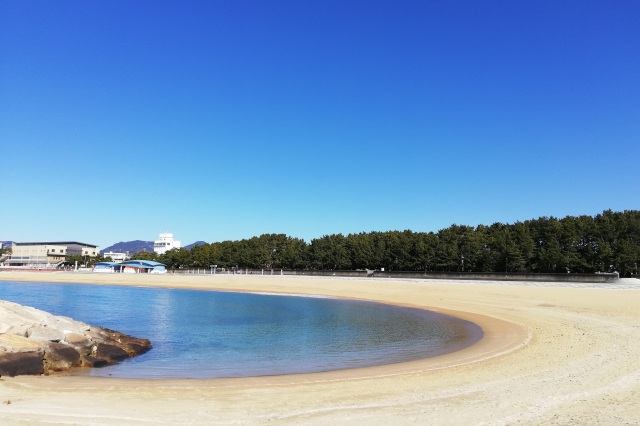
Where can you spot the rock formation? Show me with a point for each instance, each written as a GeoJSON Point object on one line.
{"type": "Point", "coordinates": [35, 342]}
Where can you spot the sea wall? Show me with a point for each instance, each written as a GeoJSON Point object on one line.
{"type": "Point", "coordinates": [489, 276]}
{"type": "Point", "coordinates": [586, 278]}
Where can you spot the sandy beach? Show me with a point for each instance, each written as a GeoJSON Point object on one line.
{"type": "Point", "coordinates": [552, 354]}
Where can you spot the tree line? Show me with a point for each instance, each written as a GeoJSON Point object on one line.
{"type": "Point", "coordinates": [606, 242]}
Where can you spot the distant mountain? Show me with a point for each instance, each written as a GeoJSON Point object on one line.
{"type": "Point", "coordinates": [129, 246]}
{"type": "Point", "coordinates": [138, 246]}
{"type": "Point", "coordinates": [197, 243]}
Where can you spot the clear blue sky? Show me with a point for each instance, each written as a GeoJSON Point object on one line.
{"type": "Point", "coordinates": [223, 120]}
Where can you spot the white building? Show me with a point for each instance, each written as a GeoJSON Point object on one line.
{"type": "Point", "coordinates": [48, 254]}
{"type": "Point", "coordinates": [116, 257]}
{"type": "Point", "coordinates": [165, 243]}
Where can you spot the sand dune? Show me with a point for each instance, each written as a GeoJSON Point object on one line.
{"type": "Point", "coordinates": [552, 354]}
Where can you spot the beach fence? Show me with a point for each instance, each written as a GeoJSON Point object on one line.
{"type": "Point", "coordinates": [368, 273]}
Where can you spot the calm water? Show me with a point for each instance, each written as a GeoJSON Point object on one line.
{"type": "Point", "coordinates": [206, 334]}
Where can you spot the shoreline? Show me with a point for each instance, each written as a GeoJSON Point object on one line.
{"type": "Point", "coordinates": [541, 346]}
{"type": "Point", "coordinates": [517, 336]}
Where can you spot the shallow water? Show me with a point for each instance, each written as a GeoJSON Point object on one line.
{"type": "Point", "coordinates": [207, 334]}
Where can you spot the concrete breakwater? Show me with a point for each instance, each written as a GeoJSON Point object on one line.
{"type": "Point", "coordinates": [36, 342]}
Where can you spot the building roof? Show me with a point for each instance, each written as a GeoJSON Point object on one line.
{"type": "Point", "coordinates": [142, 263]}
{"type": "Point", "coordinates": [107, 263]}
{"type": "Point", "coordinates": [55, 243]}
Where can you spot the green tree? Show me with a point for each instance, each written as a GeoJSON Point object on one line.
{"type": "Point", "coordinates": [422, 252]}
{"type": "Point", "coordinates": [72, 259]}
{"type": "Point", "coordinates": [608, 241]}
{"type": "Point", "coordinates": [330, 252]}
{"type": "Point", "coordinates": [360, 251]}
{"type": "Point", "coordinates": [145, 255]}
{"type": "Point", "coordinates": [456, 249]}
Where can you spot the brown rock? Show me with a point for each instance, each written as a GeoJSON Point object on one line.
{"type": "Point", "coordinates": [134, 349]}
{"type": "Point", "coordinates": [110, 353]}
{"type": "Point", "coordinates": [19, 363]}
{"type": "Point", "coordinates": [132, 345]}
{"type": "Point", "coordinates": [91, 361]}
{"type": "Point", "coordinates": [60, 357]}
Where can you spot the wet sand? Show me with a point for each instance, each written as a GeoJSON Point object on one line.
{"type": "Point", "coordinates": [551, 354]}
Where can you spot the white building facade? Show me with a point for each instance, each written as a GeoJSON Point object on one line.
{"type": "Point", "coordinates": [48, 254]}
{"type": "Point", "coordinates": [165, 243]}
{"type": "Point", "coordinates": [116, 257]}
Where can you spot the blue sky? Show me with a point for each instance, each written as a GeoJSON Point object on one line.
{"type": "Point", "coordinates": [223, 120]}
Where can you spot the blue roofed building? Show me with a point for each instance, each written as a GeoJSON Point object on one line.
{"type": "Point", "coordinates": [106, 267]}
{"type": "Point", "coordinates": [134, 266]}
{"type": "Point", "coordinates": [130, 267]}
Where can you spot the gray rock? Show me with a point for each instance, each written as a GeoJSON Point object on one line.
{"type": "Point", "coordinates": [77, 339]}
{"type": "Point", "coordinates": [66, 325]}
{"type": "Point", "coordinates": [13, 343]}
{"type": "Point", "coordinates": [43, 333]}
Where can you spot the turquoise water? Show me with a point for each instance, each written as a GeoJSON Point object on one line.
{"type": "Point", "coordinates": [207, 334]}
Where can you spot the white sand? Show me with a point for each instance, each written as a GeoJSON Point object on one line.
{"type": "Point", "coordinates": [552, 354]}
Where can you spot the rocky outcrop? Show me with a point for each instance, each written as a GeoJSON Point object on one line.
{"type": "Point", "coordinates": [35, 342]}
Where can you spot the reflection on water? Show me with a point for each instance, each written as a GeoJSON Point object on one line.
{"type": "Point", "coordinates": [198, 334]}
